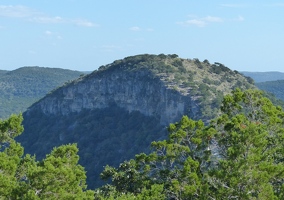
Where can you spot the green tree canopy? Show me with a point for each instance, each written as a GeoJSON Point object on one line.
{"type": "Point", "coordinates": [239, 155]}
{"type": "Point", "coordinates": [58, 176]}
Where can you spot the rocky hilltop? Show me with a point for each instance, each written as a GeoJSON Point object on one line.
{"type": "Point", "coordinates": [134, 90]}
{"type": "Point", "coordinates": [165, 87]}
{"type": "Point", "coordinates": [118, 110]}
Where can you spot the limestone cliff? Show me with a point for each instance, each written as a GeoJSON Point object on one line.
{"type": "Point", "coordinates": [137, 90]}
{"type": "Point", "coordinates": [136, 84]}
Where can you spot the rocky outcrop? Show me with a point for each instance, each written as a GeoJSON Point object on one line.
{"type": "Point", "coordinates": [137, 90]}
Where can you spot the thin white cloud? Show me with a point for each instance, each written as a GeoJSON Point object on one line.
{"type": "Point", "coordinates": [110, 48]}
{"type": "Point", "coordinates": [240, 18]}
{"type": "Point", "coordinates": [233, 5]}
{"type": "Point", "coordinates": [212, 19]}
{"type": "Point", "coordinates": [135, 28]}
{"type": "Point", "coordinates": [86, 23]}
{"type": "Point", "coordinates": [29, 14]}
{"type": "Point", "coordinates": [275, 5]}
{"type": "Point", "coordinates": [48, 20]}
{"type": "Point", "coordinates": [204, 21]}
{"type": "Point", "coordinates": [201, 22]}
{"type": "Point", "coordinates": [57, 20]}
{"type": "Point", "coordinates": [17, 11]}
{"type": "Point", "coordinates": [48, 33]}
{"type": "Point", "coordinates": [51, 34]}
{"type": "Point", "coordinates": [196, 22]}
{"type": "Point", "coordinates": [252, 5]}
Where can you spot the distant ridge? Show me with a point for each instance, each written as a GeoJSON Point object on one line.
{"type": "Point", "coordinates": [22, 87]}
{"type": "Point", "coordinates": [264, 76]}
{"type": "Point", "coordinates": [274, 87]}
{"type": "Point", "coordinates": [272, 82]}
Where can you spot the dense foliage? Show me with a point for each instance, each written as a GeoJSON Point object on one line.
{"type": "Point", "coordinates": [239, 155]}
{"type": "Point", "coordinates": [104, 136]}
{"type": "Point", "coordinates": [20, 88]}
{"type": "Point", "coordinates": [57, 176]}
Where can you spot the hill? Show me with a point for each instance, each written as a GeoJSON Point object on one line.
{"type": "Point", "coordinates": [264, 76]}
{"type": "Point", "coordinates": [274, 87]}
{"type": "Point", "coordinates": [118, 110]}
{"type": "Point", "coordinates": [271, 82]}
{"type": "Point", "coordinates": [20, 88]}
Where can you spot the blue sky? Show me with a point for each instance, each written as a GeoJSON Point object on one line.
{"type": "Point", "coordinates": [85, 34]}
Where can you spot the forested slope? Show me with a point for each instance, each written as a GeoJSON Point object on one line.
{"type": "Point", "coordinates": [20, 88]}
{"type": "Point", "coordinates": [274, 87]}
{"type": "Point", "coordinates": [271, 82]}
{"type": "Point", "coordinates": [239, 155]}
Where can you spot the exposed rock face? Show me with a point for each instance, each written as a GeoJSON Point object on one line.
{"type": "Point", "coordinates": [137, 90]}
